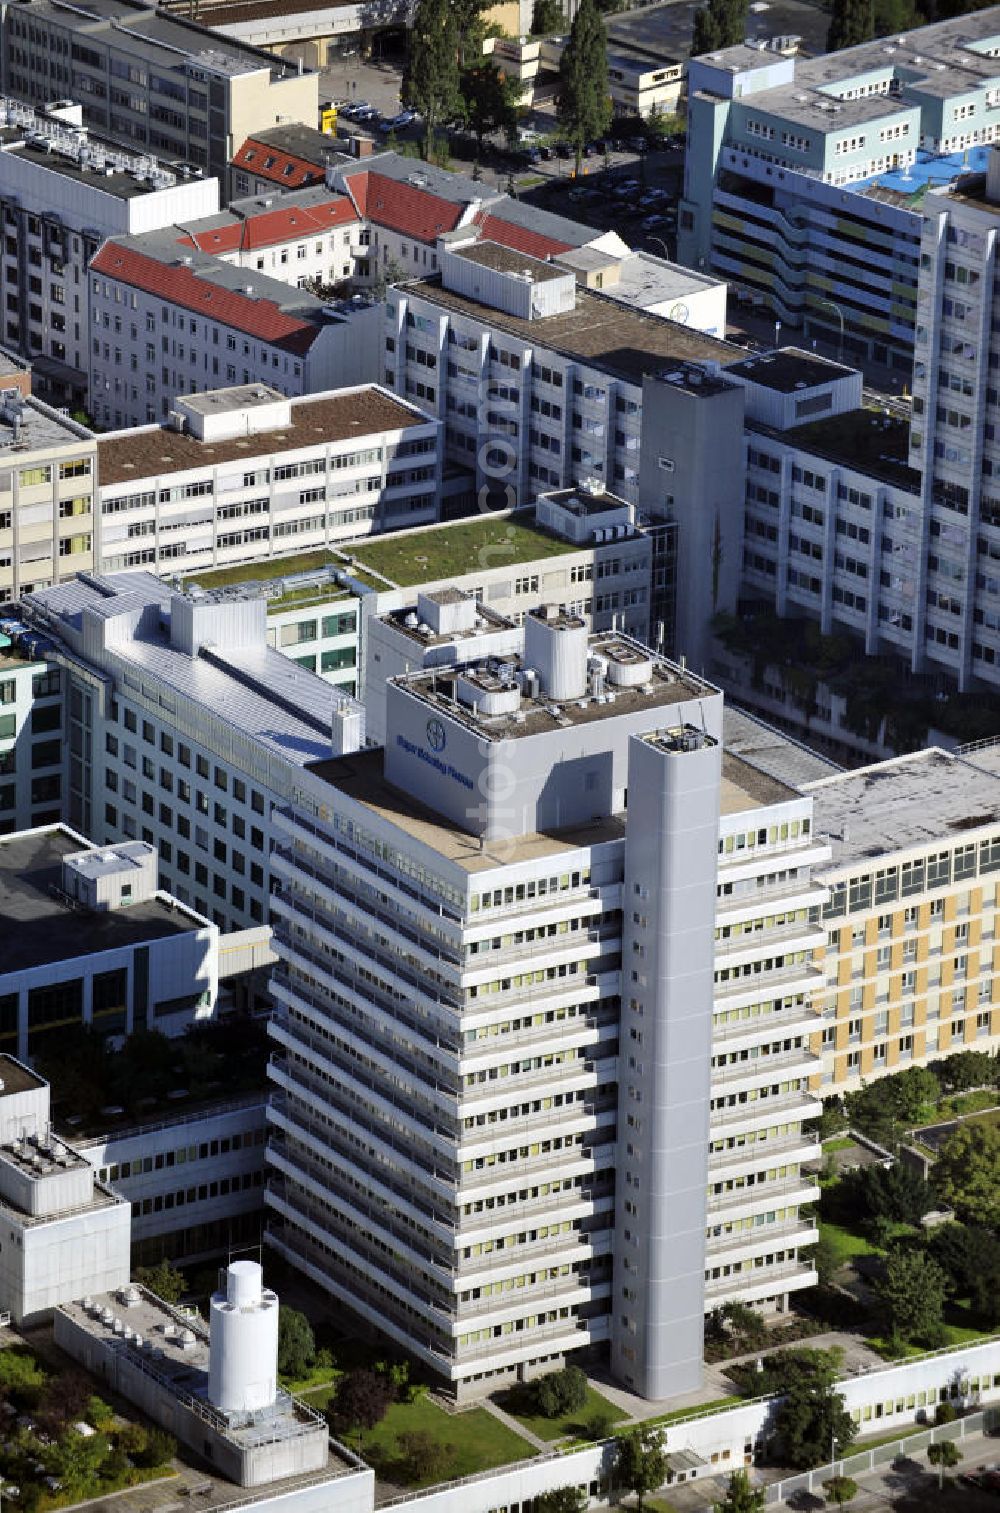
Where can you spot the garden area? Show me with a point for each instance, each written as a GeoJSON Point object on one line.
{"type": "Point", "coordinates": [61, 1444]}
{"type": "Point", "coordinates": [907, 1284]}
{"type": "Point", "coordinates": [562, 1405]}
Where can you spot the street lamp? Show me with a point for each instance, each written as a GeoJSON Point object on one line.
{"type": "Point", "coordinates": [662, 243]}
{"type": "Point", "coordinates": [838, 312]}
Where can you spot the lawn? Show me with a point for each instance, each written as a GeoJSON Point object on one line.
{"type": "Point", "coordinates": [969, 1103]}
{"type": "Point", "coordinates": [575, 1424]}
{"type": "Point", "coordinates": [264, 569]}
{"type": "Point", "coordinates": [838, 1143]}
{"type": "Point", "coordinates": [846, 1243]}
{"type": "Point", "coordinates": [465, 547]}
{"type": "Point", "coordinates": [480, 1441]}
{"type": "Point", "coordinates": [678, 1414]}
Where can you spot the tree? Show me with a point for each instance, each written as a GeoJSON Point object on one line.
{"type": "Point", "coordinates": [424, 1458]}
{"type": "Point", "coordinates": [965, 1070]}
{"type": "Point", "coordinates": [970, 1260]}
{"type": "Point", "coordinates": [811, 1416]}
{"type": "Point", "coordinates": [491, 101]}
{"type": "Point", "coordinates": [851, 22]}
{"type": "Point", "coordinates": [641, 1462]}
{"type": "Point", "coordinates": [912, 1292]}
{"type": "Point", "coordinates": [559, 1392]}
{"type": "Point", "coordinates": [470, 29]}
{"type": "Point", "coordinates": [161, 1447]}
{"type": "Point", "coordinates": [548, 19]}
{"type": "Point", "coordinates": [562, 1500]}
{"type": "Point", "coordinates": [583, 101]}
{"type": "Point", "coordinates": [296, 1342]}
{"type": "Point", "coordinates": [943, 1454]}
{"type": "Point", "coordinates": [825, 1258]}
{"type": "Point", "coordinates": [361, 1400]}
{"type": "Point", "coordinates": [431, 77]}
{"type": "Point", "coordinates": [967, 1173]}
{"type": "Point", "coordinates": [840, 1490]}
{"type": "Point", "coordinates": [740, 1496]}
{"type": "Point", "coordinates": [894, 1192]}
{"type": "Point", "coordinates": [720, 23]}
{"type": "Point", "coordinates": [163, 1279]}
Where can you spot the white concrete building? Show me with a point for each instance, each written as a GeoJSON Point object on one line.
{"type": "Point", "coordinates": [62, 191]}
{"type": "Point", "coordinates": [64, 1233]}
{"type": "Point", "coordinates": [32, 755]}
{"type": "Point", "coordinates": [89, 939]}
{"type": "Point", "coordinates": [195, 493]}
{"type": "Point", "coordinates": [46, 495]}
{"type": "Point", "coordinates": [521, 960]}
{"type": "Point", "coordinates": [185, 728]}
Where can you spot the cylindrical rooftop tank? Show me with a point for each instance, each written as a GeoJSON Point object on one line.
{"type": "Point", "coordinates": [243, 1351]}
{"type": "Point", "coordinates": [556, 644]}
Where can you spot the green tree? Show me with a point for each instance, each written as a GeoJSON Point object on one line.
{"type": "Point", "coordinates": [720, 23]}
{"type": "Point", "coordinates": [851, 22]}
{"type": "Point", "coordinates": [825, 1258]}
{"type": "Point", "coordinates": [967, 1069]}
{"type": "Point", "coordinates": [296, 1342]}
{"type": "Point", "coordinates": [361, 1400]}
{"type": "Point", "coordinates": [740, 1496]}
{"type": "Point", "coordinates": [560, 1392]}
{"type": "Point", "coordinates": [641, 1462]}
{"type": "Point", "coordinates": [970, 1259]}
{"type": "Point", "coordinates": [562, 1500]}
{"type": "Point", "coordinates": [811, 1416]}
{"type": "Point", "coordinates": [161, 1447]}
{"type": "Point", "coordinates": [470, 29]}
{"type": "Point", "coordinates": [944, 1454]}
{"type": "Point", "coordinates": [548, 19]}
{"type": "Point", "coordinates": [840, 1490]}
{"type": "Point", "coordinates": [491, 100]}
{"type": "Point", "coordinates": [431, 77]}
{"type": "Point", "coordinates": [424, 1458]}
{"type": "Point", "coordinates": [912, 1292]}
{"type": "Point", "coordinates": [163, 1279]}
{"type": "Point", "coordinates": [583, 101]}
{"type": "Point", "coordinates": [967, 1173]}
{"type": "Point", "coordinates": [894, 1192]}
{"type": "Point", "coordinates": [76, 1460]}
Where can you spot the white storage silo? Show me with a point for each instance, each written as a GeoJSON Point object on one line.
{"type": "Point", "coordinates": [243, 1347]}
{"type": "Point", "coordinates": [556, 644]}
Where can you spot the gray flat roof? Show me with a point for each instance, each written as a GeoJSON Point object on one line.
{"type": "Point", "coordinates": [602, 331]}
{"type": "Point", "coordinates": [770, 750]}
{"type": "Point", "coordinates": [506, 260]}
{"type": "Point", "coordinates": [41, 427]}
{"type": "Point", "coordinates": [644, 280]}
{"type": "Point", "coordinates": [787, 369]}
{"type": "Point", "coordinates": [667, 31]}
{"type": "Point", "coordinates": [39, 925]}
{"type": "Point", "coordinates": [255, 690]}
{"type": "Point", "coordinates": [930, 798]}
{"type": "Point", "coordinates": [121, 184]}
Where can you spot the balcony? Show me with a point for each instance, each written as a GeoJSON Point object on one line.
{"type": "Point", "coordinates": [745, 1201]}
{"type": "Point", "coordinates": [757, 1070]}
{"type": "Point", "coordinates": [751, 1244]}
{"type": "Point", "coordinates": [762, 1153]}
{"type": "Point", "coordinates": [760, 1112]}
{"type": "Point", "coordinates": [761, 1282]}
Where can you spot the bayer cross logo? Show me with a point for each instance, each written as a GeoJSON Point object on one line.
{"type": "Point", "coordinates": [435, 735]}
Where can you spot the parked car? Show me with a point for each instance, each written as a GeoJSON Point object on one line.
{"type": "Point", "coordinates": [563, 150]}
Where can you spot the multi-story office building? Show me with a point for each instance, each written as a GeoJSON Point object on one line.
{"type": "Point", "coordinates": [310, 237]}
{"type": "Point", "coordinates": [804, 177]}
{"type": "Point", "coordinates": [911, 953]}
{"type": "Point", "coordinates": [184, 729]}
{"type": "Point", "coordinates": [62, 191]}
{"type": "Point", "coordinates": [246, 474]}
{"type": "Point", "coordinates": [195, 1180]}
{"type": "Point", "coordinates": [164, 83]}
{"type": "Point", "coordinates": [46, 495]}
{"type": "Point", "coordinates": [89, 939]}
{"type": "Point", "coordinates": [165, 321]}
{"type": "Point", "coordinates": [32, 756]}
{"type": "Point", "coordinates": [602, 1036]}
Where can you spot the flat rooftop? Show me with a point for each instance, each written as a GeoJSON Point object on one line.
{"type": "Point", "coordinates": [15, 1077]}
{"type": "Point", "coordinates": [667, 31]}
{"type": "Point", "coordinates": [40, 427]}
{"type": "Point", "coordinates": [664, 684]}
{"type": "Point", "coordinates": [121, 183]}
{"type": "Point", "coordinates": [252, 689]}
{"type": "Point", "coordinates": [174, 1349]}
{"type": "Point", "coordinates": [644, 280]}
{"type": "Point", "coordinates": [361, 777]}
{"type": "Point", "coordinates": [407, 558]}
{"type": "Point", "coordinates": [506, 260]}
{"type": "Point", "coordinates": [926, 799]}
{"type": "Point", "coordinates": [582, 504]}
{"type": "Point", "coordinates": [487, 622]}
{"type": "Point", "coordinates": [139, 28]}
{"type": "Point", "coordinates": [786, 760]}
{"type": "Point", "coordinates": [150, 451]}
{"type": "Point", "coordinates": [745, 786]}
{"type": "Point", "coordinates": [869, 441]}
{"type": "Point", "coordinates": [38, 924]}
{"type": "Point", "coordinates": [602, 331]}
{"type": "Point", "coordinates": [789, 369]}
{"type": "Point", "coordinates": [38, 1157]}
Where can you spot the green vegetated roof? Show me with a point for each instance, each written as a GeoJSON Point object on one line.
{"type": "Point", "coordinates": [467, 546]}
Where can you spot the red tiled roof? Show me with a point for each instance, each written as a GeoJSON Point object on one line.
{"type": "Point", "coordinates": [283, 167]}
{"type": "Point", "coordinates": [519, 238]}
{"type": "Point", "coordinates": [272, 226]}
{"type": "Point", "coordinates": [402, 207]}
{"type": "Point", "coordinates": [184, 286]}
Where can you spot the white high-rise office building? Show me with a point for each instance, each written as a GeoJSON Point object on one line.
{"type": "Point", "coordinates": [543, 1016]}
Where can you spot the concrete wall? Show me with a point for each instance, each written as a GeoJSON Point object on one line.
{"type": "Point", "coordinates": [52, 1262]}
